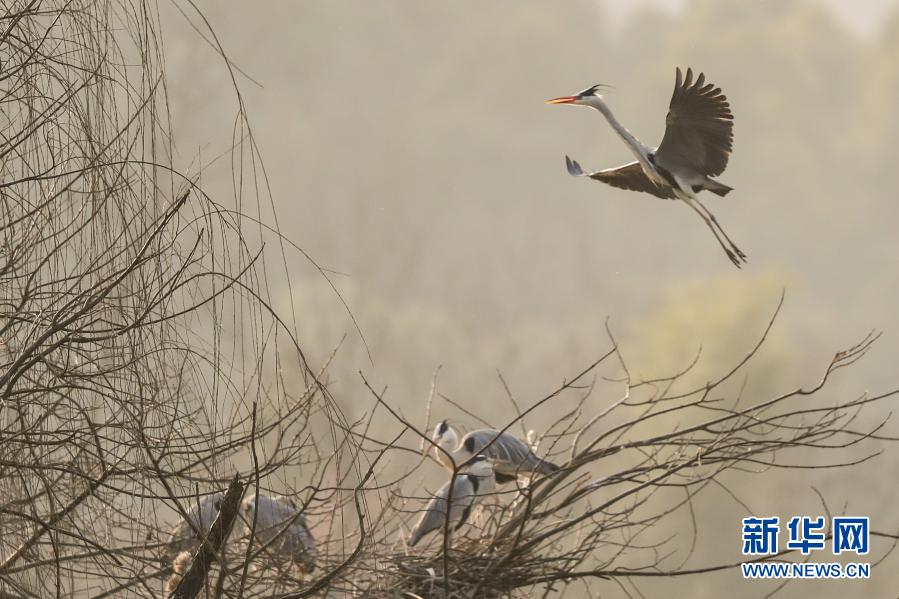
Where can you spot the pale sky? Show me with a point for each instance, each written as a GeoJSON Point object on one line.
{"type": "Point", "coordinates": [861, 16]}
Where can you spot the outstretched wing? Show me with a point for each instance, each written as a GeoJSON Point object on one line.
{"type": "Point", "coordinates": [628, 176]}
{"type": "Point", "coordinates": [698, 128]}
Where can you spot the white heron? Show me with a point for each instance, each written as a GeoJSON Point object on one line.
{"type": "Point", "coordinates": [281, 528]}
{"type": "Point", "coordinates": [467, 489]}
{"type": "Point", "coordinates": [510, 456]}
{"type": "Point", "coordinates": [200, 516]}
{"type": "Point", "coordinates": [696, 146]}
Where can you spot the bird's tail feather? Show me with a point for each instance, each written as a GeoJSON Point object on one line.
{"type": "Point", "coordinates": [717, 188]}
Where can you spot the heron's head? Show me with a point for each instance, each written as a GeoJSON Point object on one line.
{"type": "Point", "coordinates": [589, 97]}
{"type": "Point", "coordinates": [444, 436]}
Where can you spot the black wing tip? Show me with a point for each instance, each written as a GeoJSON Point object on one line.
{"type": "Point", "coordinates": [682, 80]}
{"type": "Point", "coordinates": [574, 169]}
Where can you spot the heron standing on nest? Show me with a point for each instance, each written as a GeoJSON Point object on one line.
{"type": "Point", "coordinates": [467, 489]}
{"type": "Point", "coordinates": [511, 457]}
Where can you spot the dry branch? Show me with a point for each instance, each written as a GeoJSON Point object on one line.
{"type": "Point", "coordinates": [194, 579]}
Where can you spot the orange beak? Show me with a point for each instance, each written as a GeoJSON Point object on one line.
{"type": "Point", "coordinates": [563, 100]}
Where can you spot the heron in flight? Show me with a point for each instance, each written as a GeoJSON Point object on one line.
{"type": "Point", "coordinates": [281, 528]}
{"type": "Point", "coordinates": [467, 489]}
{"type": "Point", "coordinates": [697, 143]}
{"type": "Point", "coordinates": [510, 456]}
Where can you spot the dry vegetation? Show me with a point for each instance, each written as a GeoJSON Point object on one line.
{"type": "Point", "coordinates": [141, 368]}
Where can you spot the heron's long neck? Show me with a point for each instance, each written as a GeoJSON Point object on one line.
{"type": "Point", "coordinates": [639, 150]}
{"type": "Point", "coordinates": [448, 444]}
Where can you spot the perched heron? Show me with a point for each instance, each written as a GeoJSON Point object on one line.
{"type": "Point", "coordinates": [467, 489]}
{"type": "Point", "coordinates": [510, 456]}
{"type": "Point", "coordinates": [199, 519]}
{"type": "Point", "coordinates": [281, 528]}
{"type": "Point", "coordinates": [697, 143]}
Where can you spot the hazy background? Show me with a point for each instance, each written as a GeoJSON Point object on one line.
{"type": "Point", "coordinates": [408, 147]}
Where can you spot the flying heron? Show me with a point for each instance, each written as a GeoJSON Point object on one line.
{"type": "Point", "coordinates": [281, 528]}
{"type": "Point", "coordinates": [192, 530]}
{"type": "Point", "coordinates": [509, 455]}
{"type": "Point", "coordinates": [697, 143]}
{"type": "Point", "coordinates": [467, 489]}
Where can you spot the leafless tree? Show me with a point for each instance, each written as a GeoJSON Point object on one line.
{"type": "Point", "coordinates": [140, 363]}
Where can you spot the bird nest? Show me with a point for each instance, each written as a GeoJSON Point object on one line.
{"type": "Point", "coordinates": [474, 568]}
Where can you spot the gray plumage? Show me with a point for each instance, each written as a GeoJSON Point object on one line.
{"type": "Point", "coordinates": [510, 456]}
{"type": "Point", "coordinates": [467, 489]}
{"type": "Point", "coordinates": [696, 146]}
{"type": "Point", "coordinates": [281, 528]}
{"type": "Point", "coordinates": [201, 514]}
{"type": "Point", "coordinates": [629, 176]}
{"type": "Point", "coordinates": [699, 128]}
